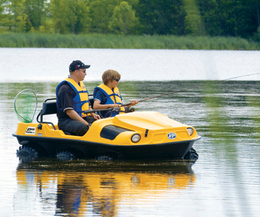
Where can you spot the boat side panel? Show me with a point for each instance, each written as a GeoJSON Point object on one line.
{"type": "Point", "coordinates": [52, 146]}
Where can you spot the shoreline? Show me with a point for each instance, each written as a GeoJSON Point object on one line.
{"type": "Point", "coordinates": [37, 40]}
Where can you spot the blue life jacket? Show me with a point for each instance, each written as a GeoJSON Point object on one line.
{"type": "Point", "coordinates": [112, 97]}
{"type": "Point", "coordinates": [81, 100]}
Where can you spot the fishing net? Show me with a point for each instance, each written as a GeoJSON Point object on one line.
{"type": "Point", "coordinates": [25, 105]}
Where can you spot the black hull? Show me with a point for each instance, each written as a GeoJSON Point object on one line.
{"type": "Point", "coordinates": [49, 147]}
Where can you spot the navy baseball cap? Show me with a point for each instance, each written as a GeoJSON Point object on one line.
{"type": "Point", "coordinates": [77, 64]}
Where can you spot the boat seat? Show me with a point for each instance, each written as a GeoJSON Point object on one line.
{"type": "Point", "coordinates": [48, 107]}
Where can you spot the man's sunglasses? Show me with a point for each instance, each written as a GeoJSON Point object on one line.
{"type": "Point", "coordinates": [116, 79]}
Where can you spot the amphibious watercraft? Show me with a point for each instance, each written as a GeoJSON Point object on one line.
{"type": "Point", "coordinates": [135, 135]}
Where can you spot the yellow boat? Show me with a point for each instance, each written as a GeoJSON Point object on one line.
{"type": "Point", "coordinates": [131, 136]}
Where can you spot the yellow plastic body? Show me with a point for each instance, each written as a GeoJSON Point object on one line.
{"type": "Point", "coordinates": [153, 127]}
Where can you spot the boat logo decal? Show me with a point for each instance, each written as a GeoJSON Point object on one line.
{"type": "Point", "coordinates": [30, 130]}
{"type": "Point", "coordinates": [171, 135]}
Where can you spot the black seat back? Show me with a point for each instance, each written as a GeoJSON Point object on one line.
{"type": "Point", "coordinates": [48, 107]}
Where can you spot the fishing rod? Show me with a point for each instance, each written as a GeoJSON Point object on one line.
{"type": "Point", "coordinates": [165, 94]}
{"type": "Point", "coordinates": [101, 110]}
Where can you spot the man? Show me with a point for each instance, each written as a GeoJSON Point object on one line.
{"type": "Point", "coordinates": [72, 100]}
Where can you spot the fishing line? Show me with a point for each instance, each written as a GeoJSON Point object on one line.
{"type": "Point", "coordinates": [185, 89]}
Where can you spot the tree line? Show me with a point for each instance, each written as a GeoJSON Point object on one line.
{"type": "Point", "coordinates": [236, 18]}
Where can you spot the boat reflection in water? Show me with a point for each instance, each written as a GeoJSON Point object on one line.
{"type": "Point", "coordinates": [92, 187]}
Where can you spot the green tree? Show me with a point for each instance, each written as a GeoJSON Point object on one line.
{"type": "Point", "coordinates": [161, 16]}
{"type": "Point", "coordinates": [70, 16]}
{"type": "Point", "coordinates": [84, 20]}
{"type": "Point", "coordinates": [23, 15]}
{"type": "Point", "coordinates": [123, 19]}
{"type": "Point", "coordinates": [2, 8]}
{"type": "Point", "coordinates": [230, 18]}
{"type": "Point", "coordinates": [57, 15]}
{"type": "Point", "coordinates": [16, 16]}
{"type": "Point", "coordinates": [194, 24]}
{"type": "Point", "coordinates": [101, 12]}
{"type": "Point", "coordinates": [35, 11]}
{"type": "Point", "coordinates": [239, 18]}
{"type": "Point", "coordinates": [208, 10]}
{"type": "Point", "coordinates": [3, 15]}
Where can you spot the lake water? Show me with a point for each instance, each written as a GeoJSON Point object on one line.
{"type": "Point", "coordinates": [33, 64]}
{"type": "Point", "coordinates": [225, 181]}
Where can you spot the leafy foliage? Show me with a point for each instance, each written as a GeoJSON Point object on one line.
{"type": "Point", "coordinates": [236, 18]}
{"type": "Point", "coordinates": [123, 19]}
